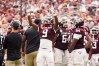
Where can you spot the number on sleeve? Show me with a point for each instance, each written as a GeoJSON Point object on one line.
{"type": "Point", "coordinates": [45, 33]}
{"type": "Point", "coordinates": [85, 40]}
{"type": "Point", "coordinates": [77, 30]}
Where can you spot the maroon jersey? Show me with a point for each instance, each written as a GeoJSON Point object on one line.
{"type": "Point", "coordinates": [63, 38]}
{"type": "Point", "coordinates": [95, 45]}
{"type": "Point", "coordinates": [80, 43]}
{"type": "Point", "coordinates": [47, 32]}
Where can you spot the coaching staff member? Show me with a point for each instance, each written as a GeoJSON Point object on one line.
{"type": "Point", "coordinates": [12, 43]}
{"type": "Point", "coordinates": [32, 39]}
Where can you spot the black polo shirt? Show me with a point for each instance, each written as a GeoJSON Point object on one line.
{"type": "Point", "coordinates": [33, 40]}
{"type": "Point", "coordinates": [12, 43]}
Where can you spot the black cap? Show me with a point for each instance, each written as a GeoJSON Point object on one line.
{"type": "Point", "coordinates": [37, 21]}
{"type": "Point", "coordinates": [15, 25]}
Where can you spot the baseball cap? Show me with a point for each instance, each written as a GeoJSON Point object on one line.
{"type": "Point", "coordinates": [15, 25]}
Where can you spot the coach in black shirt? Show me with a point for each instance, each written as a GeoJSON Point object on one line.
{"type": "Point", "coordinates": [12, 43]}
{"type": "Point", "coordinates": [32, 39]}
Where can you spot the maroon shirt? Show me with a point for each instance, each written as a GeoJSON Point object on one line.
{"type": "Point", "coordinates": [63, 38]}
{"type": "Point", "coordinates": [47, 32]}
{"type": "Point", "coordinates": [95, 45]}
{"type": "Point", "coordinates": [80, 42]}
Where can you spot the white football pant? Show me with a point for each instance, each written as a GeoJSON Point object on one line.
{"type": "Point", "coordinates": [45, 54]}
{"type": "Point", "coordinates": [78, 57]}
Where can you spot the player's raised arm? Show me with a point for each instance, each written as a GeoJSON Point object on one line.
{"type": "Point", "coordinates": [54, 14]}
{"type": "Point", "coordinates": [35, 26]}
{"type": "Point", "coordinates": [55, 22]}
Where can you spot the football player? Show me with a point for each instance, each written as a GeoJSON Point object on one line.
{"type": "Point", "coordinates": [76, 48]}
{"type": "Point", "coordinates": [88, 49]}
{"type": "Point", "coordinates": [45, 53]}
{"type": "Point", "coordinates": [95, 46]}
{"type": "Point", "coordinates": [63, 36]}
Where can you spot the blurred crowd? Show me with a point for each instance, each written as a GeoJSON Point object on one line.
{"type": "Point", "coordinates": [19, 9]}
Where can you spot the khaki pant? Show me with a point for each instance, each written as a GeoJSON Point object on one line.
{"type": "Point", "coordinates": [14, 63]}
{"type": "Point", "coordinates": [30, 59]}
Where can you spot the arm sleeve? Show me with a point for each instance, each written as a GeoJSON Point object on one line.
{"type": "Point", "coordinates": [77, 36]}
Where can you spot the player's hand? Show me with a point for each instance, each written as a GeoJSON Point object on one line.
{"type": "Point", "coordinates": [55, 13]}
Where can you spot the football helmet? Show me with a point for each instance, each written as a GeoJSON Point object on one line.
{"type": "Point", "coordinates": [95, 30]}
{"type": "Point", "coordinates": [65, 21]}
{"type": "Point", "coordinates": [77, 21]}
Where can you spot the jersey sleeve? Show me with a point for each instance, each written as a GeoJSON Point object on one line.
{"type": "Point", "coordinates": [77, 34]}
